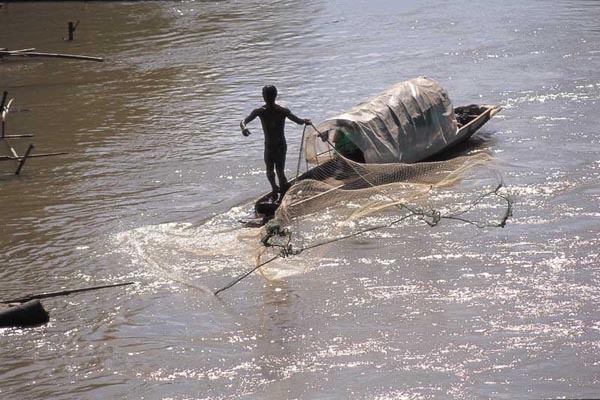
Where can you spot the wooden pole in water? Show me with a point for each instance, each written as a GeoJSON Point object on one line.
{"type": "Point", "coordinates": [18, 157]}
{"type": "Point", "coordinates": [22, 162]}
{"type": "Point", "coordinates": [4, 96]}
{"type": "Point", "coordinates": [71, 29]}
{"type": "Point", "coordinates": [62, 293]}
{"type": "Point", "coordinates": [4, 53]}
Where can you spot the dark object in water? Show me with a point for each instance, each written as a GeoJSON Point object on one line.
{"type": "Point", "coordinates": [31, 313]}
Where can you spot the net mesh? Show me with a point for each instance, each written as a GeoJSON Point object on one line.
{"type": "Point", "coordinates": [341, 199]}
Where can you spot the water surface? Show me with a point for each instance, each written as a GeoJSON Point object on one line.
{"type": "Point", "coordinates": [157, 175]}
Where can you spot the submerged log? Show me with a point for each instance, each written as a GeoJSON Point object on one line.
{"type": "Point", "coordinates": [27, 314]}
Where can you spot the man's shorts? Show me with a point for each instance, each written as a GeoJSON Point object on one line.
{"type": "Point", "coordinates": [275, 156]}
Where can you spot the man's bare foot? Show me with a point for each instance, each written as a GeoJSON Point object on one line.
{"type": "Point", "coordinates": [284, 188]}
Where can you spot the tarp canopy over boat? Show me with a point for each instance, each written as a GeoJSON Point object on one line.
{"type": "Point", "coordinates": [407, 123]}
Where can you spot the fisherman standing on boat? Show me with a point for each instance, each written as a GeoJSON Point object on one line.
{"type": "Point", "coordinates": [272, 118]}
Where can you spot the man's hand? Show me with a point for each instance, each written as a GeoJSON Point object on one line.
{"type": "Point", "coordinates": [307, 121]}
{"type": "Point", "coordinates": [245, 131]}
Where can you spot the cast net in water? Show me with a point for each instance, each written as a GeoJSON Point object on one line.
{"type": "Point", "coordinates": [342, 199]}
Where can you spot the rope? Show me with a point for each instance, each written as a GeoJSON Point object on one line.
{"type": "Point", "coordinates": [244, 275]}
{"type": "Point", "coordinates": [300, 152]}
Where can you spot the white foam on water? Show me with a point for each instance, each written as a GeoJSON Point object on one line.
{"type": "Point", "coordinates": [186, 254]}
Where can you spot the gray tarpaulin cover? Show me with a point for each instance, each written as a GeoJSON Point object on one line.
{"type": "Point", "coordinates": [407, 123]}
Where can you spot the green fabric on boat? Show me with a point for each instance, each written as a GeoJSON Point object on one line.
{"type": "Point", "coordinates": [343, 144]}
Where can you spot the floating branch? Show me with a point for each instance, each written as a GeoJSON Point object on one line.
{"type": "Point", "coordinates": [31, 53]}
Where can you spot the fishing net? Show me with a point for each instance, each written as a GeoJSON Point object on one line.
{"type": "Point", "coordinates": [341, 199]}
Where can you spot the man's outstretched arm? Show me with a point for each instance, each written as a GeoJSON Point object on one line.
{"type": "Point", "coordinates": [299, 121]}
{"type": "Point", "coordinates": [247, 120]}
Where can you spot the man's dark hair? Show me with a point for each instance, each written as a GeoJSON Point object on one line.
{"type": "Point", "coordinates": [269, 93]}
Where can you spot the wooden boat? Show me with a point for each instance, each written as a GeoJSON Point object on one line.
{"type": "Point", "coordinates": [470, 119]}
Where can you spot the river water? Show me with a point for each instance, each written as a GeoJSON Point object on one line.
{"type": "Point", "coordinates": [157, 175]}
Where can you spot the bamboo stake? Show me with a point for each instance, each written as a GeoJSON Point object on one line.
{"type": "Point", "coordinates": [3, 112]}
{"type": "Point", "coordinates": [24, 159]}
{"type": "Point", "coordinates": [4, 96]}
{"type": "Point", "coordinates": [14, 152]}
{"type": "Point", "coordinates": [29, 135]}
{"type": "Point", "coordinates": [27, 298]}
{"type": "Point", "coordinates": [18, 158]}
{"type": "Point", "coordinates": [19, 51]}
{"type": "Point", "coordinates": [4, 53]}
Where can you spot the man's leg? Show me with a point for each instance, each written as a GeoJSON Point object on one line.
{"type": "Point", "coordinates": [280, 168]}
{"type": "Point", "coordinates": [270, 164]}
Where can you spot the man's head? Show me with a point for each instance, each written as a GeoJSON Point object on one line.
{"type": "Point", "coordinates": [269, 93]}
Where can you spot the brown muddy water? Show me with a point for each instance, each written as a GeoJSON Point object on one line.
{"type": "Point", "coordinates": [157, 175]}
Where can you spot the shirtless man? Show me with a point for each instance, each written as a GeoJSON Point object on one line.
{"type": "Point", "coordinates": [272, 117]}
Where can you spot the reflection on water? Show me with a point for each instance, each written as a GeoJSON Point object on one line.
{"type": "Point", "coordinates": [157, 176]}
